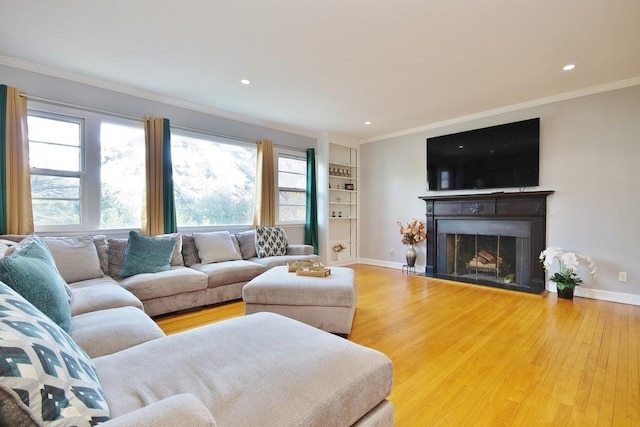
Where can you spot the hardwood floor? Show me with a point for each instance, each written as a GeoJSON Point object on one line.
{"type": "Point", "coordinates": [473, 355]}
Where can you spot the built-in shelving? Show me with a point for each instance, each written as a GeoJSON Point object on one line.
{"type": "Point", "coordinates": [343, 203]}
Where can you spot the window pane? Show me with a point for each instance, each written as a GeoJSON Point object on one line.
{"type": "Point", "coordinates": [56, 131]}
{"type": "Point", "coordinates": [54, 187]}
{"type": "Point", "coordinates": [214, 182]}
{"type": "Point", "coordinates": [56, 157]}
{"type": "Point", "coordinates": [54, 144]}
{"type": "Point", "coordinates": [122, 175]}
{"type": "Point", "coordinates": [290, 180]}
{"type": "Point", "coordinates": [56, 212]}
{"type": "Point", "coordinates": [292, 174]}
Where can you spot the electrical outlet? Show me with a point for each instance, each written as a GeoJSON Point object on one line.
{"type": "Point", "coordinates": [622, 276]}
{"type": "Point", "coordinates": [391, 251]}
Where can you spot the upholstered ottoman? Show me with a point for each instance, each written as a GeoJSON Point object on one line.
{"type": "Point", "coordinates": [328, 303]}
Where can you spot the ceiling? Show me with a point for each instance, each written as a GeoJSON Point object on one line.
{"type": "Point", "coordinates": [331, 65]}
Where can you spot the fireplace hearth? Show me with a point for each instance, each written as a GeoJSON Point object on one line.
{"type": "Point", "coordinates": [488, 239]}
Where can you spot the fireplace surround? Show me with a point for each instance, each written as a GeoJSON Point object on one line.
{"type": "Point", "coordinates": [489, 239]}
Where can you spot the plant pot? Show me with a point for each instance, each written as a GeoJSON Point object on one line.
{"type": "Point", "coordinates": [566, 293]}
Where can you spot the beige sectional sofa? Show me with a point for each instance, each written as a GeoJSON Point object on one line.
{"type": "Point", "coordinates": [189, 282]}
{"type": "Point", "coordinates": [257, 370]}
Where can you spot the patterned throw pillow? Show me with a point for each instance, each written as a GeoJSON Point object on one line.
{"type": "Point", "coordinates": [147, 254]}
{"type": "Point", "coordinates": [270, 241]}
{"type": "Point", "coordinates": [44, 376]}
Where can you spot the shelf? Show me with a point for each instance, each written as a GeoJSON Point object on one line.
{"type": "Point", "coordinates": [343, 203]}
{"type": "Point", "coordinates": [342, 190]}
{"type": "Point", "coordinates": [343, 217]}
{"type": "Point", "coordinates": [351, 178]}
{"type": "Point", "coordinates": [342, 165]}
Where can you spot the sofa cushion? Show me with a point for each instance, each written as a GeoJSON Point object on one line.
{"type": "Point", "coordinates": [102, 248]}
{"type": "Point", "coordinates": [76, 257]}
{"type": "Point", "coordinates": [247, 242]}
{"type": "Point", "coordinates": [215, 246]}
{"type": "Point", "coordinates": [176, 255]}
{"type": "Point", "coordinates": [107, 331]}
{"type": "Point", "coordinates": [256, 370]}
{"type": "Point", "coordinates": [45, 378]}
{"type": "Point", "coordinates": [174, 281]}
{"type": "Point", "coordinates": [100, 294]}
{"type": "Point", "coordinates": [228, 272]}
{"type": "Point", "coordinates": [31, 271]}
{"type": "Point", "coordinates": [189, 250]}
{"type": "Point", "coordinates": [147, 254]}
{"type": "Point", "coordinates": [270, 241]}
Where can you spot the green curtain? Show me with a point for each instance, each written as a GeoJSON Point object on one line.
{"type": "Point", "coordinates": [311, 222]}
{"type": "Point", "coordinates": [170, 221]}
{"type": "Point", "coordinates": [3, 159]}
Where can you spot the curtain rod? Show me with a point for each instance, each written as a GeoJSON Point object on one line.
{"type": "Point", "coordinates": [128, 117]}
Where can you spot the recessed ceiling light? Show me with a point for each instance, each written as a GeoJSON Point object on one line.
{"type": "Point", "coordinates": [461, 146]}
{"type": "Point", "coordinates": [245, 81]}
{"type": "Point", "coordinates": [367, 123]}
{"type": "Point", "coordinates": [569, 67]}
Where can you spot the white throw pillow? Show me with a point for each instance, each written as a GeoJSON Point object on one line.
{"type": "Point", "coordinates": [216, 246]}
{"type": "Point", "coordinates": [76, 257]}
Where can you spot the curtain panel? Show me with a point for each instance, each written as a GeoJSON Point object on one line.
{"type": "Point", "coordinates": [265, 200]}
{"type": "Point", "coordinates": [311, 220]}
{"type": "Point", "coordinates": [159, 215]}
{"type": "Point", "coordinates": [16, 212]}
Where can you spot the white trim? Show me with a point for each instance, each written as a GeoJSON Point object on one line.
{"type": "Point", "coordinates": [150, 96]}
{"type": "Point", "coordinates": [510, 108]}
{"type": "Point", "coordinates": [580, 291]}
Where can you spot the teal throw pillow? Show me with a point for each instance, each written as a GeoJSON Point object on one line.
{"type": "Point", "coordinates": [46, 379]}
{"type": "Point", "coordinates": [147, 254]}
{"type": "Point", "coordinates": [32, 272]}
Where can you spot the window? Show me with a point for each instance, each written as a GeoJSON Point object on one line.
{"type": "Point", "coordinates": [214, 180]}
{"type": "Point", "coordinates": [87, 170]}
{"type": "Point", "coordinates": [122, 175]}
{"type": "Point", "coordinates": [292, 188]}
{"type": "Point", "coordinates": [55, 159]}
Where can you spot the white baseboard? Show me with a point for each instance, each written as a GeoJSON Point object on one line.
{"type": "Point", "coordinates": [580, 291]}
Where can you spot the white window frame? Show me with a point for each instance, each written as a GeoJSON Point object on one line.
{"type": "Point", "coordinates": [90, 187]}
{"type": "Point", "coordinates": [291, 154]}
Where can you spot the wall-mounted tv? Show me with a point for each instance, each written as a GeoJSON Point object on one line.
{"type": "Point", "coordinates": [502, 156]}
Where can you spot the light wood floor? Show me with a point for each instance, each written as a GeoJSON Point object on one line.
{"type": "Point", "coordinates": [477, 356]}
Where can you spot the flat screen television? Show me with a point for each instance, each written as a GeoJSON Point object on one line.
{"type": "Point", "coordinates": [502, 156]}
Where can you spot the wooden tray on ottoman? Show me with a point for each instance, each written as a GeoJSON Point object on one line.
{"type": "Point", "coordinates": [314, 272]}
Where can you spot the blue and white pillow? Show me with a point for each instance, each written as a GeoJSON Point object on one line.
{"type": "Point", "coordinates": [270, 241]}
{"type": "Point", "coordinates": [45, 378]}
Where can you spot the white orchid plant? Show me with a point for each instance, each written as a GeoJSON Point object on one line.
{"type": "Point", "coordinates": [567, 276]}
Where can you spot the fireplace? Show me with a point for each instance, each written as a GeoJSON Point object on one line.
{"type": "Point", "coordinates": [489, 239]}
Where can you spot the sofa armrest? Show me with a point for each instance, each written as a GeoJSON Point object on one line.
{"type": "Point", "coordinates": [183, 410]}
{"type": "Point", "coordinates": [299, 250]}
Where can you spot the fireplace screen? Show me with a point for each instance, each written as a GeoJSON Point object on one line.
{"type": "Point", "coordinates": [484, 258]}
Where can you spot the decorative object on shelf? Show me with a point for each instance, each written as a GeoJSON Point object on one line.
{"type": "Point", "coordinates": [566, 279]}
{"type": "Point", "coordinates": [339, 247]}
{"type": "Point", "coordinates": [414, 232]}
{"type": "Point", "coordinates": [340, 214]}
{"type": "Point", "coordinates": [348, 187]}
{"type": "Point", "coordinates": [333, 214]}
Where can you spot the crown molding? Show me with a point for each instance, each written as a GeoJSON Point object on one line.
{"type": "Point", "coordinates": [510, 108]}
{"type": "Point", "coordinates": [149, 96]}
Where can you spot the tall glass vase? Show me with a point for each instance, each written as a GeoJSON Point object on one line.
{"type": "Point", "coordinates": [411, 256]}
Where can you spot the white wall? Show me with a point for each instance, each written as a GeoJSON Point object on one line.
{"type": "Point", "coordinates": [590, 151]}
